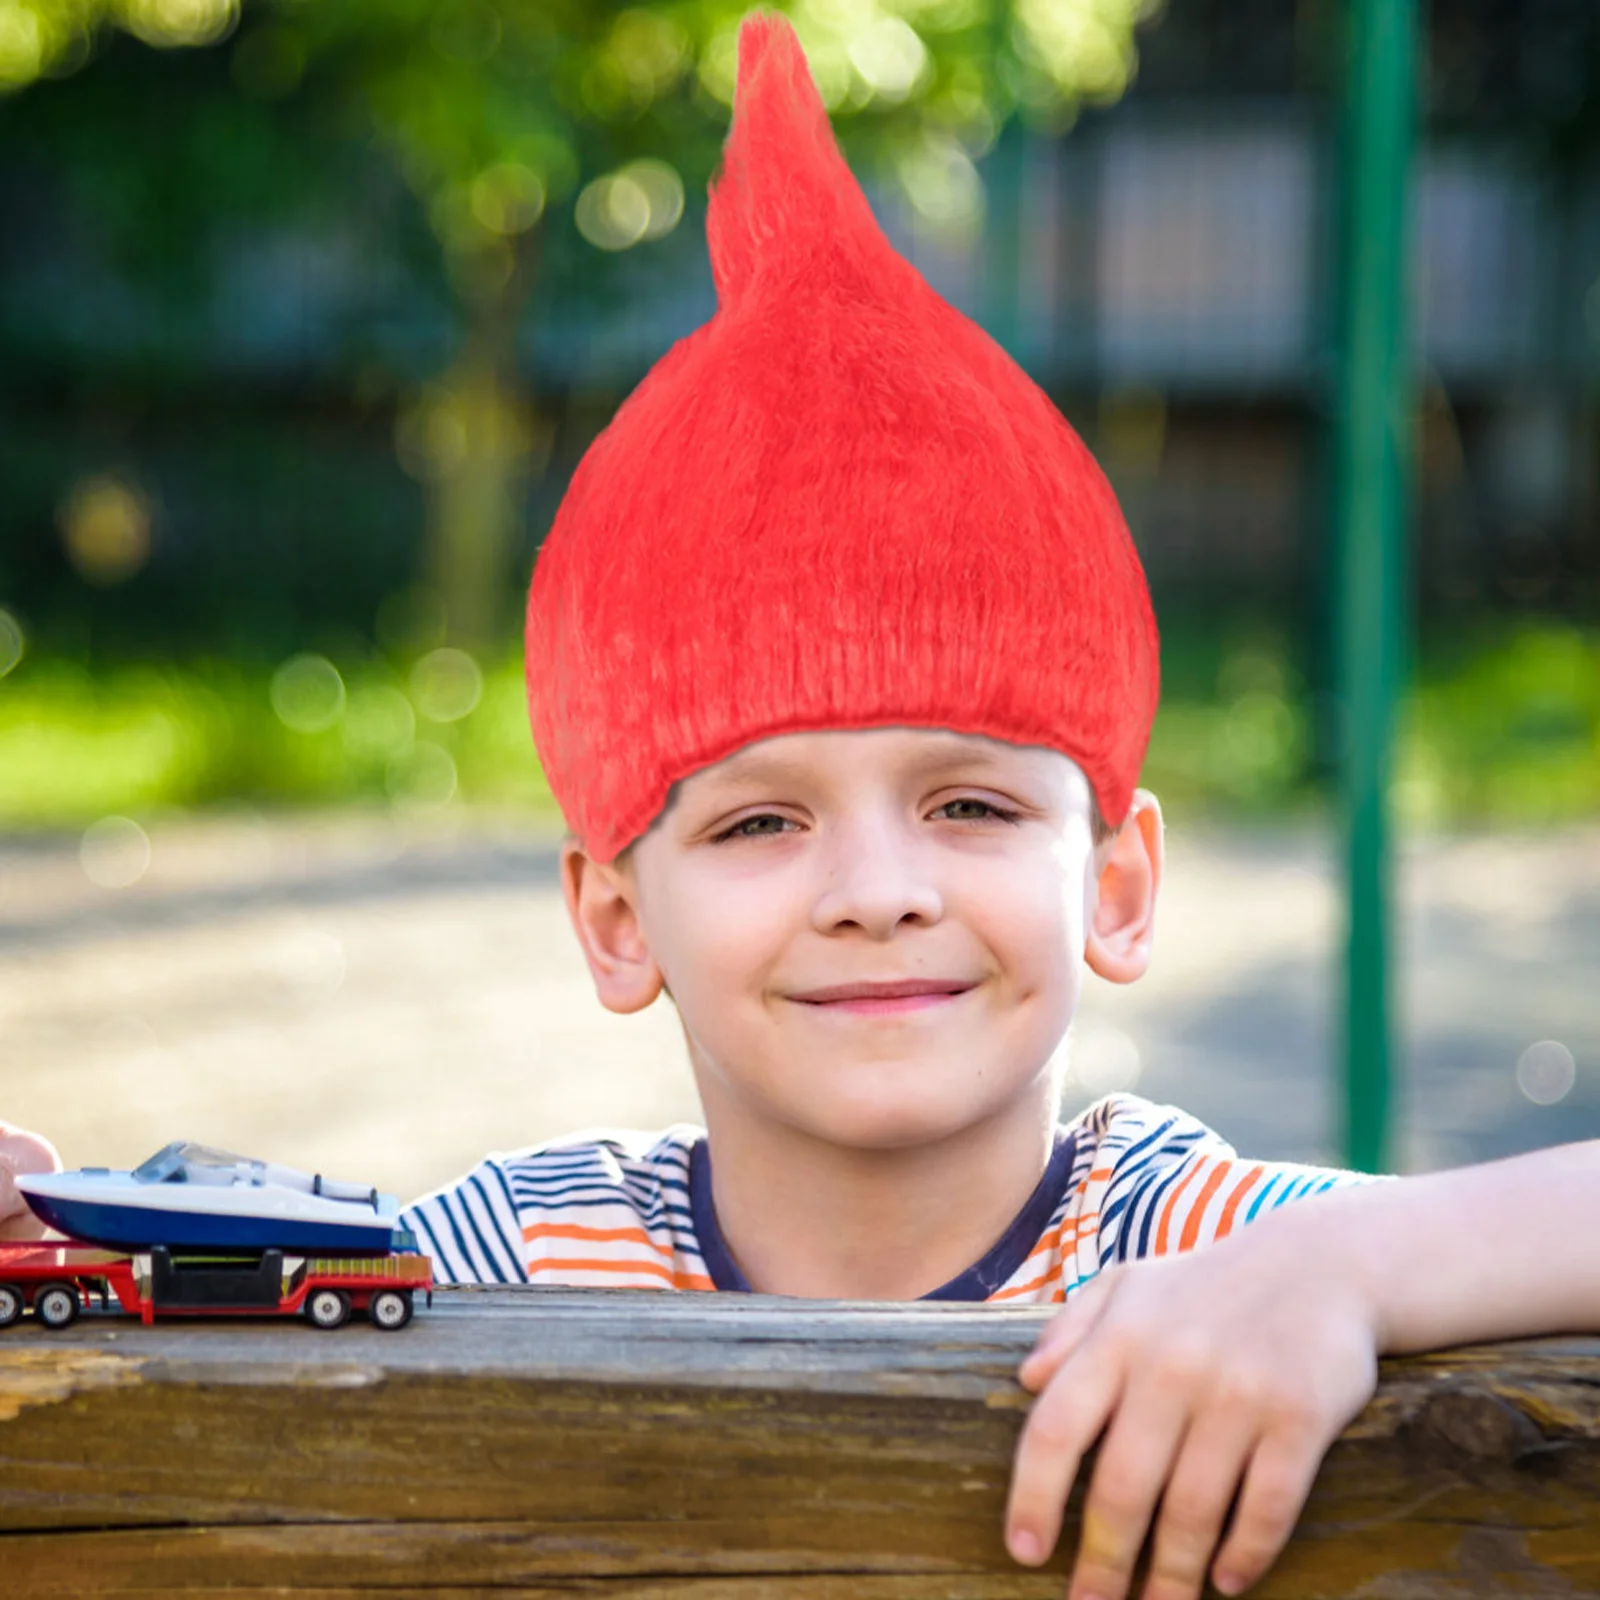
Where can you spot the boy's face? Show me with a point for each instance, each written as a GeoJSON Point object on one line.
{"type": "Point", "coordinates": [813, 860]}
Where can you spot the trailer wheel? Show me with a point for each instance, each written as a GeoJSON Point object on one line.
{"type": "Point", "coordinates": [10, 1304]}
{"type": "Point", "coordinates": [389, 1309]}
{"type": "Point", "coordinates": [56, 1305]}
{"type": "Point", "coordinates": [328, 1308]}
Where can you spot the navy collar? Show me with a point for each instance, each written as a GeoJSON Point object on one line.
{"type": "Point", "coordinates": [977, 1282]}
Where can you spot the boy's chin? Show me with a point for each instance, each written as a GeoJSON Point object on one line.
{"type": "Point", "coordinates": [890, 1122]}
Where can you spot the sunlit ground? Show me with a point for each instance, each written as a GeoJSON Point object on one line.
{"type": "Point", "coordinates": [386, 996]}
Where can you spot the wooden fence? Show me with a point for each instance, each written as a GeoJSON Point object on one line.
{"type": "Point", "coordinates": [699, 1447]}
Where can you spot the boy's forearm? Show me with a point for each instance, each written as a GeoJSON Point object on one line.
{"type": "Point", "coordinates": [1504, 1250]}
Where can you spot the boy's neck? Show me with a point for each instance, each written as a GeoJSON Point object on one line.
{"type": "Point", "coordinates": [805, 1217]}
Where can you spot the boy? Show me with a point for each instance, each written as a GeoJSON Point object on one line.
{"type": "Point", "coordinates": [841, 666]}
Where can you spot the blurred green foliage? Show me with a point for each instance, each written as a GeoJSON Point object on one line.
{"type": "Point", "coordinates": [1500, 726]}
{"type": "Point", "coordinates": [76, 746]}
{"type": "Point", "coordinates": [1505, 727]}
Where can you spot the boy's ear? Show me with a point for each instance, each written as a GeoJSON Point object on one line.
{"type": "Point", "coordinates": [602, 902]}
{"type": "Point", "coordinates": [1122, 913]}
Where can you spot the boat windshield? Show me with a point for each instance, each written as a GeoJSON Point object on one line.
{"type": "Point", "coordinates": [183, 1162]}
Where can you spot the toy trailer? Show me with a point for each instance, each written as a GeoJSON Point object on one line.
{"type": "Point", "coordinates": [58, 1280]}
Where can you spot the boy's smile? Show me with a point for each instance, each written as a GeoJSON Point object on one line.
{"type": "Point", "coordinates": [874, 939]}
{"type": "Point", "coordinates": [881, 999]}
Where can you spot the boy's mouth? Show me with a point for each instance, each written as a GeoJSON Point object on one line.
{"type": "Point", "coordinates": [907, 994]}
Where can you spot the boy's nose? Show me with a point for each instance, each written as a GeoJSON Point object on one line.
{"type": "Point", "coordinates": [875, 879]}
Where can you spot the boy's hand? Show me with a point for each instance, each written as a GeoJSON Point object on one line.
{"type": "Point", "coordinates": [1240, 1362]}
{"type": "Point", "coordinates": [20, 1153]}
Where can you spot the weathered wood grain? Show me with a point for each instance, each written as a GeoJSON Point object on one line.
{"type": "Point", "coordinates": [637, 1443]}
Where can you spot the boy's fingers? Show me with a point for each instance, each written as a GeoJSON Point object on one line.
{"type": "Point", "coordinates": [1063, 1422]}
{"type": "Point", "coordinates": [1065, 1332]}
{"type": "Point", "coordinates": [22, 1153]}
{"type": "Point", "coordinates": [1276, 1484]}
{"type": "Point", "coordinates": [1195, 1502]}
{"type": "Point", "coordinates": [1134, 1462]}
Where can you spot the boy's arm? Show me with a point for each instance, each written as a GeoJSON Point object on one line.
{"type": "Point", "coordinates": [1499, 1251]}
{"type": "Point", "coordinates": [1236, 1366]}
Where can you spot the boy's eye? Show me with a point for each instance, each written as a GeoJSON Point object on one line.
{"type": "Point", "coordinates": [982, 805]}
{"type": "Point", "coordinates": [738, 830]}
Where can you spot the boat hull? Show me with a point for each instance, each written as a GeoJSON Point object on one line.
{"type": "Point", "coordinates": [115, 1226]}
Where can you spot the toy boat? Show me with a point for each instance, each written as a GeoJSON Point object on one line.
{"type": "Point", "coordinates": [192, 1197]}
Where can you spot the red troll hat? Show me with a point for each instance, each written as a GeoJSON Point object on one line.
{"type": "Point", "coordinates": [837, 504]}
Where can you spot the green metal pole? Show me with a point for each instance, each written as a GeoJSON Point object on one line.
{"type": "Point", "coordinates": [1002, 286]}
{"type": "Point", "coordinates": [1374, 418]}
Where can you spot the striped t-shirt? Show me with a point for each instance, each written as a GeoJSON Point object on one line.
{"type": "Point", "coordinates": [621, 1208]}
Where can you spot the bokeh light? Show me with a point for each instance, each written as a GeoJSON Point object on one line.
{"type": "Point", "coordinates": [105, 524]}
{"type": "Point", "coordinates": [430, 434]}
{"type": "Point", "coordinates": [167, 23]}
{"type": "Point", "coordinates": [39, 36]}
{"type": "Point", "coordinates": [114, 852]}
{"type": "Point", "coordinates": [642, 200]}
{"type": "Point", "coordinates": [890, 58]}
{"type": "Point", "coordinates": [1084, 47]}
{"type": "Point", "coordinates": [308, 693]}
{"type": "Point", "coordinates": [1103, 1059]}
{"type": "Point", "coordinates": [942, 184]}
{"type": "Point", "coordinates": [613, 212]}
{"type": "Point", "coordinates": [22, 44]}
{"type": "Point", "coordinates": [640, 59]}
{"type": "Point", "coordinates": [446, 685]}
{"type": "Point", "coordinates": [1546, 1072]}
{"type": "Point", "coordinates": [423, 776]}
{"type": "Point", "coordinates": [13, 642]}
{"type": "Point", "coordinates": [507, 198]}
{"type": "Point", "coordinates": [378, 722]}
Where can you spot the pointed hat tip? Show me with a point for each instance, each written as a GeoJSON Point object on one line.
{"type": "Point", "coordinates": [784, 191]}
{"type": "Point", "coordinates": [760, 32]}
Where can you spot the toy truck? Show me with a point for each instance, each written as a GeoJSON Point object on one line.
{"type": "Point", "coordinates": [57, 1281]}
{"type": "Point", "coordinates": [196, 1231]}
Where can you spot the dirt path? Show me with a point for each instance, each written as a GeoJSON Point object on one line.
{"type": "Point", "coordinates": [387, 1000]}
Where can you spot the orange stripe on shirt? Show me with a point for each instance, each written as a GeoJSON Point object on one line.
{"type": "Point", "coordinates": [1171, 1205]}
{"type": "Point", "coordinates": [588, 1235]}
{"type": "Point", "coordinates": [577, 1230]}
{"type": "Point", "coordinates": [1055, 1238]}
{"type": "Point", "coordinates": [614, 1269]}
{"type": "Point", "coordinates": [1017, 1290]}
{"type": "Point", "coordinates": [1191, 1224]}
{"type": "Point", "coordinates": [1245, 1185]}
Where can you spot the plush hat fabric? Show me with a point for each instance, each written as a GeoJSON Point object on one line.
{"type": "Point", "coordinates": [837, 504]}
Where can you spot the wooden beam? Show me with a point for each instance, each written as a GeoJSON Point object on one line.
{"type": "Point", "coordinates": [703, 1447]}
